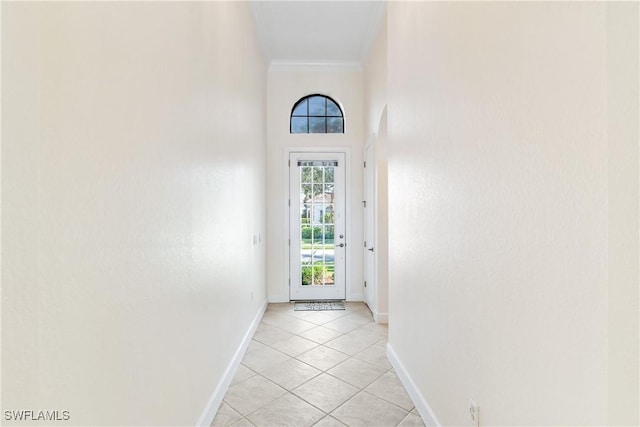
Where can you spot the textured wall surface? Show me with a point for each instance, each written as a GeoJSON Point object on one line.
{"type": "Point", "coordinates": [375, 80]}
{"type": "Point", "coordinates": [505, 188]}
{"type": "Point", "coordinates": [623, 141]}
{"type": "Point", "coordinates": [286, 85]}
{"type": "Point", "coordinates": [133, 182]}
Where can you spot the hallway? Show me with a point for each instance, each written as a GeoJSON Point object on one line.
{"type": "Point", "coordinates": [485, 201]}
{"type": "Point", "coordinates": [307, 368]}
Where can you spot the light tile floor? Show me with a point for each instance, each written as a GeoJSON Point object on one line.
{"type": "Point", "coordinates": [326, 368]}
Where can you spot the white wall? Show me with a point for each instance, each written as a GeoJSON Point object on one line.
{"type": "Point", "coordinates": [375, 80]}
{"type": "Point", "coordinates": [287, 83]}
{"type": "Point", "coordinates": [623, 139]}
{"type": "Point", "coordinates": [375, 95]}
{"type": "Point", "coordinates": [513, 132]}
{"type": "Point", "coordinates": [133, 170]}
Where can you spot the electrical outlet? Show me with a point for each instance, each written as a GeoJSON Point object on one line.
{"type": "Point", "coordinates": [474, 413]}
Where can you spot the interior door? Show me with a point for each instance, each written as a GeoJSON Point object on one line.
{"type": "Point", "coordinates": [369, 227]}
{"type": "Point", "coordinates": [317, 237]}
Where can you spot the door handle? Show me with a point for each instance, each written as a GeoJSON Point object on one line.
{"type": "Point", "coordinates": [341, 245]}
{"type": "Point", "coordinates": [370, 249]}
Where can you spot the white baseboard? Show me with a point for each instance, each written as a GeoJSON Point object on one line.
{"type": "Point", "coordinates": [215, 400]}
{"type": "Point", "coordinates": [429, 418]}
{"type": "Point", "coordinates": [381, 317]}
{"type": "Point", "coordinates": [278, 298]}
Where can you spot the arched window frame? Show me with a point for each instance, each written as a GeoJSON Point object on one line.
{"type": "Point", "coordinates": [309, 117]}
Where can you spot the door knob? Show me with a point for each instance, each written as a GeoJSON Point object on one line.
{"type": "Point", "coordinates": [341, 245]}
{"type": "Point", "coordinates": [370, 249]}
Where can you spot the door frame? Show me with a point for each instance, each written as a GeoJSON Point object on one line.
{"type": "Point", "coordinates": [338, 290]}
{"type": "Point", "coordinates": [370, 291]}
{"type": "Point", "coordinates": [348, 213]}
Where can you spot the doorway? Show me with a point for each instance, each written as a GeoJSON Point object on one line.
{"type": "Point", "coordinates": [376, 228]}
{"type": "Point", "coordinates": [317, 232]}
{"type": "Point", "coordinates": [369, 205]}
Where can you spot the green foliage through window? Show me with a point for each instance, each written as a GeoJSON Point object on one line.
{"type": "Point", "coordinates": [317, 273]}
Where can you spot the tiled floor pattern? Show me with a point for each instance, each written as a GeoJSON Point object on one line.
{"type": "Point", "coordinates": [325, 368]}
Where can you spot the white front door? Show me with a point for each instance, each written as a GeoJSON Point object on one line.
{"type": "Point", "coordinates": [317, 226]}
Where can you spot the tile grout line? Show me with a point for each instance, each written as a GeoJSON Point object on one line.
{"type": "Point", "coordinates": [357, 317]}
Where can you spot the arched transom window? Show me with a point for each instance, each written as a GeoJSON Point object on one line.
{"type": "Point", "coordinates": [316, 114]}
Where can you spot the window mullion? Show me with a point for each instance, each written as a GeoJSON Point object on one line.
{"type": "Point", "coordinates": [321, 127]}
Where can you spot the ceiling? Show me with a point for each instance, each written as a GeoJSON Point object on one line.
{"type": "Point", "coordinates": [317, 31]}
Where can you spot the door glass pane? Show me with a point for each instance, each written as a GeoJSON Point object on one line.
{"type": "Point", "coordinates": [328, 179]}
{"type": "Point", "coordinates": [328, 191]}
{"type": "Point", "coordinates": [305, 174]}
{"type": "Point", "coordinates": [328, 234]}
{"type": "Point", "coordinates": [305, 193]}
{"type": "Point", "coordinates": [328, 214]}
{"type": "Point", "coordinates": [317, 225]}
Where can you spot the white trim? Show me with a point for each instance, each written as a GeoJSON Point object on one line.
{"type": "Point", "coordinates": [339, 289]}
{"type": "Point", "coordinates": [381, 317]}
{"type": "Point", "coordinates": [355, 297]}
{"type": "Point", "coordinates": [349, 226]}
{"type": "Point", "coordinates": [319, 65]}
{"type": "Point", "coordinates": [349, 212]}
{"type": "Point", "coordinates": [422, 406]}
{"type": "Point", "coordinates": [371, 290]}
{"type": "Point", "coordinates": [286, 248]}
{"type": "Point", "coordinates": [215, 400]}
{"type": "Point", "coordinates": [277, 299]}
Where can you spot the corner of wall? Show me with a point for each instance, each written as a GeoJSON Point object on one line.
{"type": "Point", "coordinates": [382, 318]}
{"type": "Point", "coordinates": [428, 416]}
{"type": "Point", "coordinates": [209, 412]}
